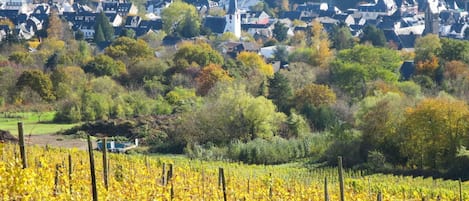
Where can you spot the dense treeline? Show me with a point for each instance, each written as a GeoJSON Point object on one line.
{"type": "Point", "coordinates": [338, 96]}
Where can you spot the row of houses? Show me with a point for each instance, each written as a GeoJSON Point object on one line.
{"type": "Point", "coordinates": [401, 20]}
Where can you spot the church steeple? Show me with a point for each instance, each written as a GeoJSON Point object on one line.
{"type": "Point", "coordinates": [233, 19]}
{"type": "Point", "coordinates": [232, 7]}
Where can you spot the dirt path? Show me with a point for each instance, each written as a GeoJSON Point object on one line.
{"type": "Point", "coordinates": [57, 141]}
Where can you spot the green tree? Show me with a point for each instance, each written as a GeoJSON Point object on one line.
{"type": "Point", "coordinates": [104, 27]}
{"type": "Point", "coordinates": [373, 35]}
{"type": "Point", "coordinates": [230, 113]}
{"type": "Point", "coordinates": [199, 54]}
{"type": "Point", "coordinates": [38, 82]}
{"type": "Point", "coordinates": [354, 68]}
{"type": "Point", "coordinates": [102, 65]}
{"type": "Point", "coordinates": [179, 15]}
{"type": "Point", "coordinates": [129, 50]}
{"type": "Point", "coordinates": [452, 49]}
{"type": "Point", "coordinates": [342, 37]}
{"type": "Point", "coordinates": [280, 92]}
{"type": "Point", "coordinates": [23, 58]}
{"type": "Point", "coordinates": [280, 31]}
{"type": "Point", "coordinates": [379, 118]}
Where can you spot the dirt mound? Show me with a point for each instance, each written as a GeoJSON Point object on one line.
{"type": "Point", "coordinates": [5, 136]}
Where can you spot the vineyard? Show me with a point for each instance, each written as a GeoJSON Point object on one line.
{"type": "Point", "coordinates": [64, 174]}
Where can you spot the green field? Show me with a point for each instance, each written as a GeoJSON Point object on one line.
{"type": "Point", "coordinates": [34, 123]}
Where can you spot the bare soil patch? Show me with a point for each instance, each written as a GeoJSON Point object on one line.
{"type": "Point", "coordinates": [55, 140]}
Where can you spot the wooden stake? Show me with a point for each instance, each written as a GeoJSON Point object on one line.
{"type": "Point", "coordinates": [460, 190]}
{"type": "Point", "coordinates": [92, 169]}
{"type": "Point", "coordinates": [326, 192]}
{"type": "Point", "coordinates": [70, 171]}
{"type": "Point", "coordinates": [341, 179]}
{"type": "Point", "coordinates": [21, 143]}
{"type": "Point", "coordinates": [105, 165]}
{"type": "Point", "coordinates": [163, 175]}
{"type": "Point", "coordinates": [222, 178]}
{"type": "Point", "coordinates": [380, 196]}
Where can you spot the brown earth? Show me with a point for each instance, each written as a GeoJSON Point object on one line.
{"type": "Point", "coordinates": [55, 140]}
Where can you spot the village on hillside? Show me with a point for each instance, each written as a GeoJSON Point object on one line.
{"type": "Point", "coordinates": [401, 20]}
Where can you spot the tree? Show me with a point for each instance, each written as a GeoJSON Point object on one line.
{"type": "Point", "coordinates": [320, 45]}
{"type": "Point", "coordinates": [190, 27]}
{"type": "Point", "coordinates": [280, 92]}
{"type": "Point", "coordinates": [342, 37]}
{"type": "Point", "coordinates": [254, 61]}
{"type": "Point", "coordinates": [129, 50]}
{"type": "Point", "coordinates": [434, 131]}
{"type": "Point", "coordinates": [179, 15]}
{"type": "Point", "coordinates": [55, 26]}
{"type": "Point", "coordinates": [230, 113]}
{"type": "Point", "coordinates": [209, 76]}
{"type": "Point", "coordinates": [316, 95]}
{"type": "Point", "coordinates": [23, 58]}
{"type": "Point", "coordinates": [38, 82]}
{"type": "Point", "coordinates": [103, 29]}
{"type": "Point", "coordinates": [373, 35]}
{"type": "Point", "coordinates": [129, 33]}
{"type": "Point", "coordinates": [379, 118]}
{"type": "Point", "coordinates": [280, 31]}
{"type": "Point", "coordinates": [452, 49]}
{"type": "Point", "coordinates": [52, 62]}
{"type": "Point", "coordinates": [102, 65]}
{"type": "Point", "coordinates": [281, 54]}
{"type": "Point", "coordinates": [354, 68]}
{"type": "Point", "coordinates": [199, 54]}
{"type": "Point", "coordinates": [427, 49]}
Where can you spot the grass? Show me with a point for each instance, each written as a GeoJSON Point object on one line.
{"type": "Point", "coordinates": [34, 123]}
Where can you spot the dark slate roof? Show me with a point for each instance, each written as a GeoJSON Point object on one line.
{"type": "Point", "coordinates": [215, 24]}
{"type": "Point", "coordinates": [41, 17]}
{"type": "Point", "coordinates": [408, 40]}
{"type": "Point", "coordinates": [111, 16]}
{"type": "Point", "coordinates": [232, 7]}
{"type": "Point", "coordinates": [110, 6]}
{"type": "Point", "coordinates": [129, 19]}
{"type": "Point", "coordinates": [40, 9]}
{"type": "Point", "coordinates": [314, 7]}
{"type": "Point", "coordinates": [124, 8]}
{"type": "Point", "coordinates": [457, 27]}
{"type": "Point", "coordinates": [152, 24]}
{"type": "Point", "coordinates": [308, 18]}
{"type": "Point", "coordinates": [4, 27]}
{"type": "Point", "coordinates": [292, 15]}
{"type": "Point", "coordinates": [198, 3]}
{"type": "Point", "coordinates": [254, 26]}
{"type": "Point", "coordinates": [157, 3]}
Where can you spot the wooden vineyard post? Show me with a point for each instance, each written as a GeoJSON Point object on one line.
{"type": "Point", "coordinates": [56, 179]}
{"type": "Point", "coordinates": [326, 192]}
{"type": "Point", "coordinates": [460, 190]}
{"type": "Point", "coordinates": [92, 170]}
{"type": "Point", "coordinates": [380, 196]}
{"type": "Point", "coordinates": [105, 165]}
{"type": "Point", "coordinates": [163, 175]}
{"type": "Point", "coordinates": [170, 173]}
{"type": "Point", "coordinates": [270, 186]}
{"type": "Point", "coordinates": [341, 179]}
{"type": "Point", "coordinates": [21, 143]}
{"type": "Point", "coordinates": [70, 171]}
{"type": "Point", "coordinates": [223, 182]}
